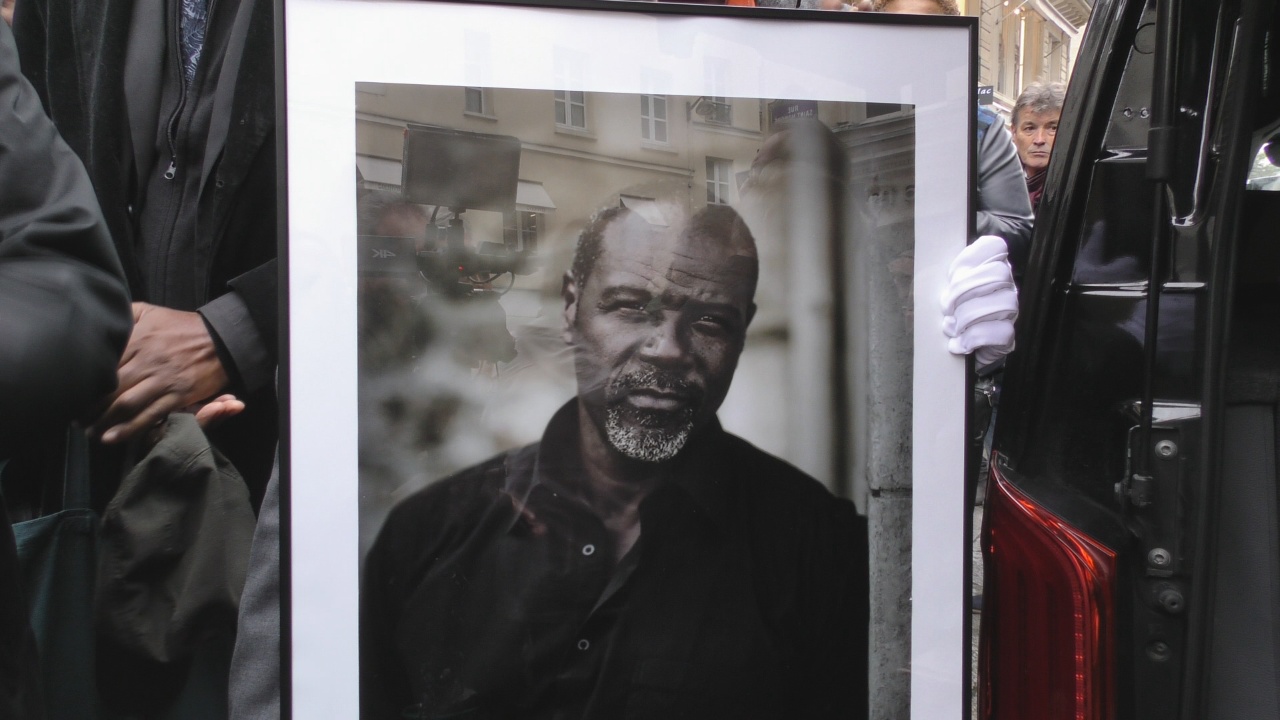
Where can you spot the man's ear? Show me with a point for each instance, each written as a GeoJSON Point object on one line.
{"type": "Point", "coordinates": [569, 291]}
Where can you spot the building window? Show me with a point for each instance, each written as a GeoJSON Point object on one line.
{"type": "Point", "coordinates": [1056, 55]}
{"type": "Point", "coordinates": [478, 101]}
{"type": "Point", "coordinates": [528, 228]}
{"type": "Point", "coordinates": [653, 118]}
{"type": "Point", "coordinates": [721, 111]}
{"type": "Point", "coordinates": [719, 173]}
{"type": "Point", "coordinates": [571, 109]}
{"type": "Point", "coordinates": [716, 108]}
{"type": "Point", "coordinates": [476, 60]}
{"type": "Point", "coordinates": [1009, 58]}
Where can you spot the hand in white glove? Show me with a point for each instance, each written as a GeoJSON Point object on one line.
{"type": "Point", "coordinates": [981, 302]}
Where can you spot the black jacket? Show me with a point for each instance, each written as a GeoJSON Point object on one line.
{"type": "Point", "coordinates": [76, 53]}
{"type": "Point", "coordinates": [495, 594]}
{"type": "Point", "coordinates": [64, 313]}
{"type": "Point", "coordinates": [64, 320]}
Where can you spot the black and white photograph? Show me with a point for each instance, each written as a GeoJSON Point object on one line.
{"type": "Point", "coordinates": [631, 336]}
{"type": "Point", "coordinates": [575, 342]}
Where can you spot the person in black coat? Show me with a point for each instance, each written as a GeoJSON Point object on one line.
{"type": "Point", "coordinates": [64, 324]}
{"type": "Point", "coordinates": [171, 106]}
{"type": "Point", "coordinates": [173, 116]}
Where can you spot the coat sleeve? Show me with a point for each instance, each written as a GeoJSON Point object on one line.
{"type": "Point", "coordinates": [66, 315]}
{"type": "Point", "coordinates": [1004, 208]}
{"type": "Point", "coordinates": [243, 325]}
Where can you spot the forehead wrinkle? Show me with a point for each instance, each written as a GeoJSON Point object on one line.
{"type": "Point", "coordinates": [705, 283]}
{"type": "Point", "coordinates": [651, 257]}
{"type": "Point", "coordinates": [675, 287]}
{"type": "Point", "coordinates": [638, 272]}
{"type": "Point", "coordinates": [662, 260]}
{"type": "Point", "coordinates": [1038, 118]}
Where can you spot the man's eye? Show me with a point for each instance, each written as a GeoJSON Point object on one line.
{"type": "Point", "coordinates": [629, 308]}
{"type": "Point", "coordinates": [714, 322]}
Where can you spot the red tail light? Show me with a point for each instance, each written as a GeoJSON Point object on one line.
{"type": "Point", "coordinates": [1046, 646]}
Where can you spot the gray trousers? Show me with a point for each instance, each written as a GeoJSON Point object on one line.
{"type": "Point", "coordinates": [255, 665]}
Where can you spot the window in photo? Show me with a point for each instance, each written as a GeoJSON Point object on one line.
{"type": "Point", "coordinates": [719, 173]}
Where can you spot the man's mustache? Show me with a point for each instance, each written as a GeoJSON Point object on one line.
{"type": "Point", "coordinates": [654, 380]}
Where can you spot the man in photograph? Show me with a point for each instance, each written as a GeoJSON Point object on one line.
{"type": "Point", "coordinates": [638, 561]}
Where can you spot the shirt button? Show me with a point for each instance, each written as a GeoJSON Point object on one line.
{"type": "Point", "coordinates": [588, 550]}
{"type": "Point", "coordinates": [583, 644]}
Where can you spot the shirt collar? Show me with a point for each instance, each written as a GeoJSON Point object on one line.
{"type": "Point", "coordinates": [698, 472]}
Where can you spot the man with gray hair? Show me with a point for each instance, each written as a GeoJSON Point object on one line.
{"type": "Point", "coordinates": [1035, 123]}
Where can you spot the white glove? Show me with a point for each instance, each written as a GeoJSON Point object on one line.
{"type": "Point", "coordinates": [980, 302]}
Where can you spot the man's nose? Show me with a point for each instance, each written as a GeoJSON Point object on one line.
{"type": "Point", "coordinates": [665, 343]}
{"type": "Point", "coordinates": [1041, 137]}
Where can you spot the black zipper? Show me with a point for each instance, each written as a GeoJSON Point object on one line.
{"type": "Point", "coordinates": [173, 197]}
{"type": "Point", "coordinates": [171, 129]}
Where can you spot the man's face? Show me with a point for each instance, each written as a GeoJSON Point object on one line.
{"type": "Point", "coordinates": [657, 329]}
{"type": "Point", "coordinates": [912, 7]}
{"type": "Point", "coordinates": [1033, 135]}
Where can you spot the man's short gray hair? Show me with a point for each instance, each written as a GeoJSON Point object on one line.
{"type": "Point", "coordinates": [1040, 97]}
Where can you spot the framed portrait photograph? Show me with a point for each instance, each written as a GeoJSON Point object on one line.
{"type": "Point", "coordinates": [616, 378]}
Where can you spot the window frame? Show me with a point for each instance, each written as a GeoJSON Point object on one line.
{"type": "Point", "coordinates": [650, 123]}
{"type": "Point", "coordinates": [564, 99]}
{"type": "Point", "coordinates": [719, 189]}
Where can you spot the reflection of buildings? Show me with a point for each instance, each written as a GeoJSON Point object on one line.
{"type": "Point", "coordinates": [583, 151]}
{"type": "Point", "coordinates": [882, 149]}
{"type": "Point", "coordinates": [1022, 41]}
{"type": "Point", "coordinates": [580, 151]}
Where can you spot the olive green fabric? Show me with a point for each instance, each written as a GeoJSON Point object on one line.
{"type": "Point", "coordinates": [173, 554]}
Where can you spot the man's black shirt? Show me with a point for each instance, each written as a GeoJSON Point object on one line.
{"type": "Point", "coordinates": [495, 594]}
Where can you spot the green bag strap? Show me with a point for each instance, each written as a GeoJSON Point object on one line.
{"type": "Point", "coordinates": [75, 471]}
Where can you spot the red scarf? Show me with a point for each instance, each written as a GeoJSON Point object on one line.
{"type": "Point", "coordinates": [1035, 186]}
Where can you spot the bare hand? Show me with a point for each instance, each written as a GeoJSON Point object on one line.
{"type": "Point", "coordinates": [6, 11]}
{"type": "Point", "coordinates": [217, 410]}
{"type": "Point", "coordinates": [169, 363]}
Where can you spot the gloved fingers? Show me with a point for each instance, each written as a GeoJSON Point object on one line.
{"type": "Point", "coordinates": [995, 334]}
{"type": "Point", "coordinates": [980, 268]}
{"type": "Point", "coordinates": [985, 357]}
{"type": "Point", "coordinates": [979, 281]}
{"type": "Point", "coordinates": [981, 302]}
{"type": "Point", "coordinates": [999, 305]}
{"type": "Point", "coordinates": [988, 248]}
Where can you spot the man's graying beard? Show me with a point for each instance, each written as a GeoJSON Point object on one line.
{"type": "Point", "coordinates": [643, 434]}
